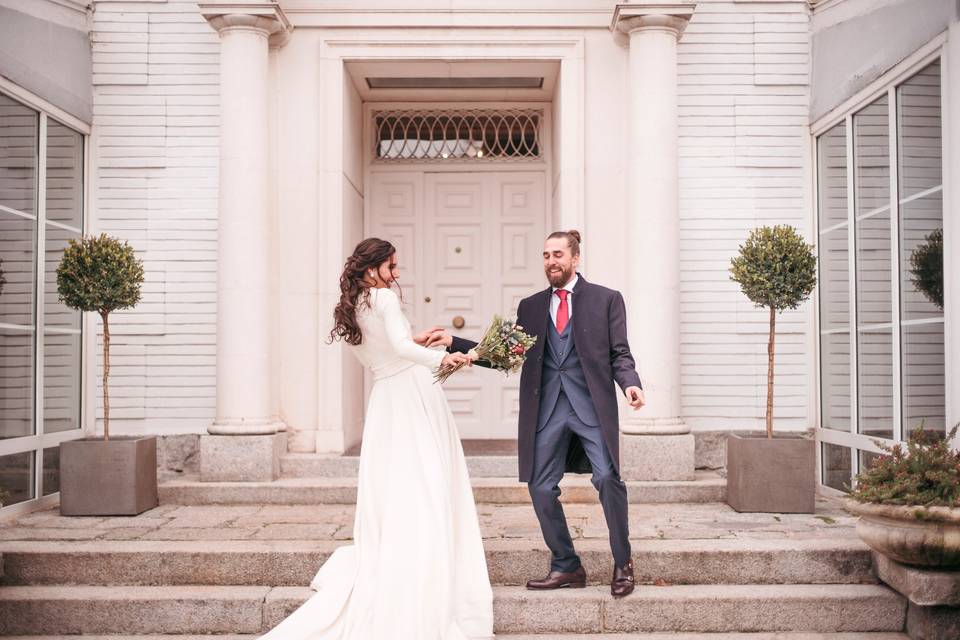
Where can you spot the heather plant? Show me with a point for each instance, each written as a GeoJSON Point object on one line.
{"type": "Point", "coordinates": [776, 269]}
{"type": "Point", "coordinates": [101, 274]}
{"type": "Point", "coordinates": [926, 267]}
{"type": "Point", "coordinates": [926, 473]}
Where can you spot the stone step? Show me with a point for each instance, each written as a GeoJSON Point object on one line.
{"type": "Point", "coordinates": [880, 635]}
{"type": "Point", "coordinates": [705, 487]}
{"type": "Point", "coordinates": [317, 465]}
{"type": "Point", "coordinates": [69, 610]}
{"type": "Point", "coordinates": [510, 562]}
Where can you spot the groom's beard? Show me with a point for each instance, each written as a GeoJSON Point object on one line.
{"type": "Point", "coordinates": [559, 278]}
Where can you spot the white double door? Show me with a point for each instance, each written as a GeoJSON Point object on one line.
{"type": "Point", "coordinates": [469, 245]}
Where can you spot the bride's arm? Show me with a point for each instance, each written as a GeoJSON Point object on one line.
{"type": "Point", "coordinates": [398, 332]}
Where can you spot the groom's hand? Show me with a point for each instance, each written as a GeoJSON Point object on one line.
{"type": "Point", "coordinates": [635, 397]}
{"type": "Point", "coordinates": [423, 338]}
{"type": "Point", "coordinates": [439, 336]}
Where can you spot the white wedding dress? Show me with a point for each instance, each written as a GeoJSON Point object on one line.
{"type": "Point", "coordinates": [416, 569]}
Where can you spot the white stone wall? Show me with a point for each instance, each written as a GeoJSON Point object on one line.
{"type": "Point", "coordinates": [743, 100]}
{"type": "Point", "coordinates": [155, 157]}
{"type": "Point", "coordinates": [743, 74]}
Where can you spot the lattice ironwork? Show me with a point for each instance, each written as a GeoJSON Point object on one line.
{"type": "Point", "coordinates": [457, 135]}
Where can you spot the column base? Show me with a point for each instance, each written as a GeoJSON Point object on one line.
{"type": "Point", "coordinates": [657, 457]}
{"type": "Point", "coordinates": [241, 458]}
{"type": "Point", "coordinates": [246, 427]}
{"type": "Point", "coordinates": [654, 426]}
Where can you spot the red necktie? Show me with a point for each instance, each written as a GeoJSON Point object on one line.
{"type": "Point", "coordinates": [563, 312]}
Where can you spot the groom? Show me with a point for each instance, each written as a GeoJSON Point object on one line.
{"type": "Point", "coordinates": [568, 406]}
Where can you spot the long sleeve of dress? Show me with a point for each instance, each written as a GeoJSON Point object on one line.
{"type": "Point", "coordinates": [398, 332]}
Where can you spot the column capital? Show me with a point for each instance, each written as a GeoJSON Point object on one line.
{"type": "Point", "coordinates": [265, 16]}
{"type": "Point", "coordinates": [639, 16]}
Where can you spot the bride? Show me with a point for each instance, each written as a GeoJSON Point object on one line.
{"type": "Point", "coordinates": [416, 569]}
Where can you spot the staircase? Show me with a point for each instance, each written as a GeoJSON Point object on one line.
{"type": "Point", "coordinates": [231, 559]}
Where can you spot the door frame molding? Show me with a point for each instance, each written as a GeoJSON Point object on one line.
{"type": "Point", "coordinates": [339, 395]}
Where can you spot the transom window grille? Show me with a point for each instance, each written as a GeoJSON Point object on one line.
{"type": "Point", "coordinates": [457, 135]}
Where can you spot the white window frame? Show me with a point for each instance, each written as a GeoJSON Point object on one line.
{"type": "Point", "coordinates": [38, 441]}
{"type": "Point", "coordinates": [886, 84]}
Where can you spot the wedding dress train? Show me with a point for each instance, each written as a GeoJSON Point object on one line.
{"type": "Point", "coordinates": [416, 569]}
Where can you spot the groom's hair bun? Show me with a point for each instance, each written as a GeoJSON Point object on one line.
{"type": "Point", "coordinates": [572, 237]}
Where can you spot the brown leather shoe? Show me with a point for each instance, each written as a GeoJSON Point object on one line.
{"type": "Point", "coordinates": [558, 580]}
{"type": "Point", "coordinates": [622, 583]}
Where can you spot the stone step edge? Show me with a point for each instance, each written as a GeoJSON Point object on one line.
{"type": "Point", "coordinates": [701, 478]}
{"type": "Point", "coordinates": [509, 561]}
{"type": "Point", "coordinates": [591, 610]}
{"type": "Point", "coordinates": [644, 545]}
{"type": "Point", "coordinates": [721, 635]}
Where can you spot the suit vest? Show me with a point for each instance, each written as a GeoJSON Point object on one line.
{"type": "Point", "coordinates": [562, 371]}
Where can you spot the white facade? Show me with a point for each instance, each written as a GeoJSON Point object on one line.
{"type": "Point", "coordinates": [669, 131]}
{"type": "Point", "coordinates": [742, 104]}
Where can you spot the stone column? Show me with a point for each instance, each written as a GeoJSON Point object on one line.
{"type": "Point", "coordinates": [246, 440]}
{"type": "Point", "coordinates": [656, 444]}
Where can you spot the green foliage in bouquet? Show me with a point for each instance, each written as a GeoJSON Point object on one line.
{"type": "Point", "coordinates": [101, 274]}
{"type": "Point", "coordinates": [926, 473]}
{"type": "Point", "coordinates": [776, 269]}
{"type": "Point", "coordinates": [504, 346]}
{"type": "Point", "coordinates": [926, 267]}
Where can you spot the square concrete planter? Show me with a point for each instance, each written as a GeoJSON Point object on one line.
{"type": "Point", "coordinates": [771, 475]}
{"type": "Point", "coordinates": [113, 478]}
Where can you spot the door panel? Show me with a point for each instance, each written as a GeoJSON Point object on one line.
{"type": "Point", "coordinates": [469, 245]}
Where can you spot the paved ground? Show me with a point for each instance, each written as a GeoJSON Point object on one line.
{"type": "Point", "coordinates": [335, 522]}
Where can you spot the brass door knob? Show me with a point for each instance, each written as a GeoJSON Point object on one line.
{"type": "Point", "coordinates": [458, 322]}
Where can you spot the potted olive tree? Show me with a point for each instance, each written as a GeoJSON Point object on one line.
{"type": "Point", "coordinates": [909, 501]}
{"type": "Point", "coordinates": [105, 476]}
{"type": "Point", "coordinates": [776, 270]}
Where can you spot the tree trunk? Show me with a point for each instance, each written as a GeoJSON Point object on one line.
{"type": "Point", "coordinates": [770, 348]}
{"type": "Point", "coordinates": [106, 375]}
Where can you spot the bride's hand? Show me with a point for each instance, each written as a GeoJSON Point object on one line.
{"type": "Point", "coordinates": [455, 360]}
{"type": "Point", "coordinates": [423, 338]}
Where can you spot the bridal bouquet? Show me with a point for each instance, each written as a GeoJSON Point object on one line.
{"type": "Point", "coordinates": [504, 346]}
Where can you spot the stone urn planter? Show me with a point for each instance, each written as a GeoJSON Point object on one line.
{"type": "Point", "coordinates": [771, 475]}
{"type": "Point", "coordinates": [912, 535]}
{"type": "Point", "coordinates": [116, 477]}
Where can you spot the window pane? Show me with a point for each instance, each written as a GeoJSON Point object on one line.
{"type": "Point", "coordinates": [834, 233]}
{"type": "Point", "coordinates": [871, 145]}
{"type": "Point", "coordinates": [16, 383]}
{"type": "Point", "coordinates": [834, 280]}
{"type": "Point", "coordinates": [866, 459]}
{"type": "Point", "coordinates": [51, 470]}
{"type": "Point", "coordinates": [17, 269]}
{"type": "Point", "coordinates": [61, 382]}
{"type": "Point", "coordinates": [64, 174]}
{"type": "Point", "coordinates": [57, 314]}
{"type": "Point", "coordinates": [921, 193]}
{"type": "Point", "coordinates": [924, 391]}
{"type": "Point", "coordinates": [835, 381]}
{"type": "Point", "coordinates": [832, 183]}
{"type": "Point", "coordinates": [873, 270]}
{"type": "Point", "coordinates": [16, 478]}
{"type": "Point", "coordinates": [19, 129]}
{"type": "Point", "coordinates": [875, 383]}
{"type": "Point", "coordinates": [921, 145]}
{"type": "Point", "coordinates": [836, 466]}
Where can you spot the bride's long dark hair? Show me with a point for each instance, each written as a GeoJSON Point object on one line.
{"type": "Point", "coordinates": [354, 291]}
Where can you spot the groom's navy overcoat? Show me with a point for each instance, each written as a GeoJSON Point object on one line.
{"type": "Point", "coordinates": [600, 336]}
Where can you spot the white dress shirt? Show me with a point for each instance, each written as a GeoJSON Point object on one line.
{"type": "Point", "coordinates": [555, 299]}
